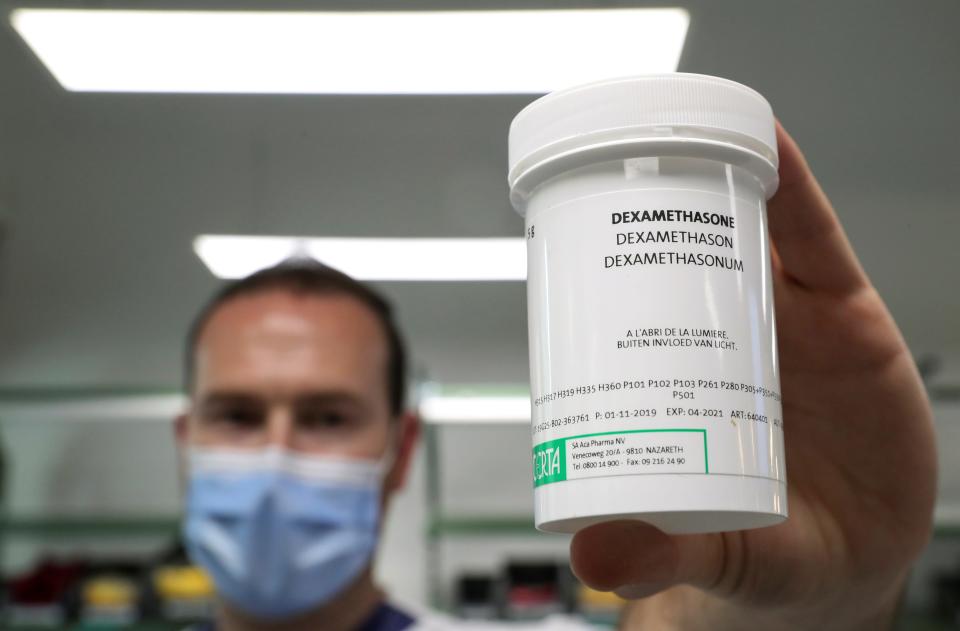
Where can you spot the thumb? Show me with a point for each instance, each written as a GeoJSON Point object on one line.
{"type": "Point", "coordinates": [636, 560]}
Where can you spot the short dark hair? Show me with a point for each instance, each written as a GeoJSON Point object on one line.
{"type": "Point", "coordinates": [308, 277]}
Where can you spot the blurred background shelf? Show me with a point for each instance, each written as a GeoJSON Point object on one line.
{"type": "Point", "coordinates": [447, 526]}
{"type": "Point", "coordinates": [71, 526]}
{"type": "Point", "coordinates": [512, 525]}
{"type": "Point", "coordinates": [483, 526]}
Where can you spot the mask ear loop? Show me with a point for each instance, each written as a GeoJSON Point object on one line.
{"type": "Point", "coordinates": [389, 458]}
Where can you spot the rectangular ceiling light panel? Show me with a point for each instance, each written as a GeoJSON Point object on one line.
{"type": "Point", "coordinates": [486, 259]}
{"type": "Point", "coordinates": [352, 52]}
{"type": "Point", "coordinates": [475, 409]}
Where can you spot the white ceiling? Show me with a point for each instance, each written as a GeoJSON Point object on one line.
{"type": "Point", "coordinates": [101, 194]}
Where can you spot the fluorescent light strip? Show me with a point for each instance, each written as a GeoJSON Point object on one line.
{"type": "Point", "coordinates": [491, 259]}
{"type": "Point", "coordinates": [160, 407]}
{"type": "Point", "coordinates": [353, 52]}
{"type": "Point", "coordinates": [475, 409]}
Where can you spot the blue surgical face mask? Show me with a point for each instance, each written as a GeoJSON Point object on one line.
{"type": "Point", "coordinates": [281, 533]}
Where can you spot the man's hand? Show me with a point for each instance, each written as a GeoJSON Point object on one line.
{"type": "Point", "coordinates": [861, 461]}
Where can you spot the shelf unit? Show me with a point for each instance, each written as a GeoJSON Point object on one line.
{"type": "Point", "coordinates": [441, 525]}
{"type": "Point", "coordinates": [66, 526]}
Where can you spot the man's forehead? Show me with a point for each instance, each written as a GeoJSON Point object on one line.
{"type": "Point", "coordinates": [283, 318]}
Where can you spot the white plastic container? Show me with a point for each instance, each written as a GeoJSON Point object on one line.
{"type": "Point", "coordinates": [653, 351]}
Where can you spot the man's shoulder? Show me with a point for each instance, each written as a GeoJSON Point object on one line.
{"type": "Point", "coordinates": [391, 617]}
{"type": "Point", "coordinates": [388, 617]}
{"type": "Point", "coordinates": [433, 621]}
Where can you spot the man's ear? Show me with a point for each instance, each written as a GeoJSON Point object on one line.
{"type": "Point", "coordinates": [409, 433]}
{"type": "Point", "coordinates": [181, 436]}
{"type": "Point", "coordinates": [181, 429]}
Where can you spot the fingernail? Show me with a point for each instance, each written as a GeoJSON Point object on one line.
{"type": "Point", "coordinates": [637, 590]}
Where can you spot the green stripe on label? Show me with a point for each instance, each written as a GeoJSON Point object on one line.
{"type": "Point", "coordinates": [550, 462]}
{"type": "Point", "coordinates": [550, 458]}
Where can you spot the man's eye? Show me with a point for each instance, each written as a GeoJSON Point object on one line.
{"type": "Point", "coordinates": [238, 417]}
{"type": "Point", "coordinates": [322, 419]}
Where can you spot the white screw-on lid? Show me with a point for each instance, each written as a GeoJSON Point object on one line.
{"type": "Point", "coordinates": [671, 114]}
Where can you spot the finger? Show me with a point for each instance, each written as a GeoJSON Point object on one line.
{"type": "Point", "coordinates": [806, 231]}
{"type": "Point", "coordinates": [635, 559]}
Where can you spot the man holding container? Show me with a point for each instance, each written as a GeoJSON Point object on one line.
{"type": "Point", "coordinates": [297, 437]}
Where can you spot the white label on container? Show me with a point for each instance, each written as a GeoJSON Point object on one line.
{"type": "Point", "coordinates": [651, 322]}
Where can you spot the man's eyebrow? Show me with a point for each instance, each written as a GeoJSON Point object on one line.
{"type": "Point", "coordinates": [228, 397]}
{"type": "Point", "coordinates": [316, 397]}
{"type": "Point", "coordinates": [330, 397]}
